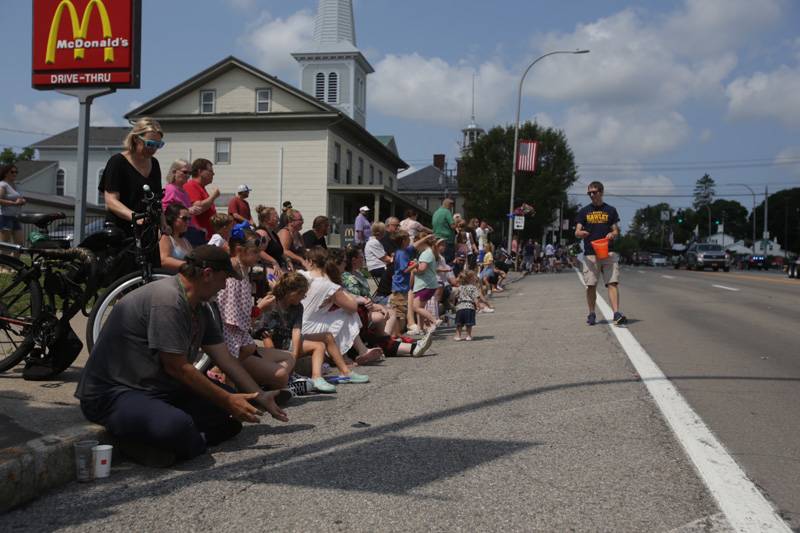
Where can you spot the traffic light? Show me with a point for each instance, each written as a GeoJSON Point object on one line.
{"type": "Point", "coordinates": [679, 216]}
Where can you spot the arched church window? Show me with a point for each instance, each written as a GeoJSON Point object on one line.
{"type": "Point", "coordinates": [319, 90]}
{"type": "Point", "coordinates": [333, 88]}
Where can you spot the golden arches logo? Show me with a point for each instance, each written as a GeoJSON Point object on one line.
{"type": "Point", "coordinates": [80, 28]}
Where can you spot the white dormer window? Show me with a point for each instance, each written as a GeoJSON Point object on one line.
{"type": "Point", "coordinates": [263, 99]}
{"type": "Point", "coordinates": [319, 87]}
{"type": "Point", "coordinates": [207, 102]}
{"type": "Point", "coordinates": [333, 88]}
{"type": "Point", "coordinates": [61, 180]}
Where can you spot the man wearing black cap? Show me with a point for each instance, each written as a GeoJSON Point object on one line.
{"type": "Point", "coordinates": [140, 381]}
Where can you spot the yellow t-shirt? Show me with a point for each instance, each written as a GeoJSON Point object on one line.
{"type": "Point", "coordinates": [488, 259]}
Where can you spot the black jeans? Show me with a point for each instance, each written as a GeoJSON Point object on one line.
{"type": "Point", "coordinates": [180, 422]}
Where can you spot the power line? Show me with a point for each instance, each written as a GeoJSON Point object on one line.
{"type": "Point", "coordinates": [26, 131]}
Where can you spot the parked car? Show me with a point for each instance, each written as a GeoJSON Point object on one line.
{"type": "Point", "coordinates": [793, 269]}
{"type": "Point", "coordinates": [658, 260]}
{"type": "Point", "coordinates": [757, 262]}
{"type": "Point", "coordinates": [66, 230]}
{"type": "Point", "coordinates": [702, 255]}
{"type": "Point", "coordinates": [641, 258]}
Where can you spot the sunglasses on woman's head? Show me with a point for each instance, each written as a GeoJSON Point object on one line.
{"type": "Point", "coordinates": [152, 144]}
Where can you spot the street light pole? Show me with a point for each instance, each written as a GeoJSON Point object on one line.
{"type": "Point", "coordinates": [754, 212]}
{"type": "Point", "coordinates": [516, 138]}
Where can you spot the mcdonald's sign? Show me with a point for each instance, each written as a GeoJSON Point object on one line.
{"type": "Point", "coordinates": [86, 43]}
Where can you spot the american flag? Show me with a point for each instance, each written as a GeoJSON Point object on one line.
{"type": "Point", "coordinates": [526, 158]}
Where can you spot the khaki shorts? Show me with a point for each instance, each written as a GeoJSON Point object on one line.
{"type": "Point", "coordinates": [399, 302]}
{"type": "Point", "coordinates": [593, 268]}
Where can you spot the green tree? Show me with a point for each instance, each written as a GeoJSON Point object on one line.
{"type": "Point", "coordinates": [734, 217]}
{"type": "Point", "coordinates": [703, 192]}
{"type": "Point", "coordinates": [485, 180]}
{"type": "Point", "coordinates": [683, 224]}
{"type": "Point", "coordinates": [648, 227]}
{"type": "Point", "coordinates": [9, 156]}
{"type": "Point", "coordinates": [784, 218]}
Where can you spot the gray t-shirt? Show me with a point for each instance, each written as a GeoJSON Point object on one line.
{"type": "Point", "coordinates": [9, 193]}
{"type": "Point", "coordinates": [153, 318]}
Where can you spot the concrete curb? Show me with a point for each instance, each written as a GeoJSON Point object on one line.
{"type": "Point", "coordinates": [29, 470]}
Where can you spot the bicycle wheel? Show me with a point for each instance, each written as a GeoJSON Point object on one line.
{"type": "Point", "coordinates": [105, 303]}
{"type": "Point", "coordinates": [20, 307]}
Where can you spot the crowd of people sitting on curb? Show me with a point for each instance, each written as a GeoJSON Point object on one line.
{"type": "Point", "coordinates": [278, 312]}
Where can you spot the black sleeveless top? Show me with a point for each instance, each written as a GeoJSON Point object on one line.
{"type": "Point", "coordinates": [274, 246]}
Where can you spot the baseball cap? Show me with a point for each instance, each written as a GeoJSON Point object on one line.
{"type": "Point", "coordinates": [363, 208]}
{"type": "Point", "coordinates": [287, 204]}
{"type": "Point", "coordinates": [213, 257]}
{"type": "Point", "coordinates": [243, 188]}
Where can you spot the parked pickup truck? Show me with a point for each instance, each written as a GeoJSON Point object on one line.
{"type": "Point", "coordinates": [700, 256]}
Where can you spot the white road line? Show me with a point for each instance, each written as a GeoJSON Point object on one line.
{"type": "Point", "coordinates": [667, 277]}
{"type": "Point", "coordinates": [640, 271]}
{"type": "Point", "coordinates": [743, 504]}
{"type": "Point", "coordinates": [726, 288]}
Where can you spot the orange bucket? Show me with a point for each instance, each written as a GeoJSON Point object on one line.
{"type": "Point", "coordinates": [600, 248]}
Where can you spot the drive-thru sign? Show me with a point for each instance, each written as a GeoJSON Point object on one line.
{"type": "Point", "coordinates": [85, 48]}
{"type": "Point", "coordinates": [86, 43]}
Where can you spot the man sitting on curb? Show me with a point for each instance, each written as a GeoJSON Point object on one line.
{"type": "Point", "coordinates": [140, 381]}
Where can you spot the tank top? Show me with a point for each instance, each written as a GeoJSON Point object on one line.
{"type": "Point", "coordinates": [11, 194]}
{"type": "Point", "coordinates": [274, 246]}
{"type": "Point", "coordinates": [178, 251]}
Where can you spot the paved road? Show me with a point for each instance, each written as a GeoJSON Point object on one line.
{"type": "Point", "coordinates": [731, 343]}
{"type": "Point", "coordinates": [539, 425]}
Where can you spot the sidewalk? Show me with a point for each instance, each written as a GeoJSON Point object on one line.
{"type": "Point", "coordinates": [540, 424]}
{"type": "Point", "coordinates": [39, 422]}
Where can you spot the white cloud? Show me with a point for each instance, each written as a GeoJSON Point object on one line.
{"type": "Point", "coordinates": [790, 156]}
{"type": "Point", "coordinates": [54, 116]}
{"type": "Point", "coordinates": [643, 185]}
{"type": "Point", "coordinates": [705, 136]}
{"type": "Point", "coordinates": [631, 63]}
{"type": "Point", "coordinates": [620, 135]}
{"type": "Point", "coordinates": [271, 41]}
{"type": "Point", "coordinates": [433, 90]}
{"type": "Point", "coordinates": [714, 26]}
{"type": "Point", "coordinates": [771, 95]}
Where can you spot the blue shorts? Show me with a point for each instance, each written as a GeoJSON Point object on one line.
{"type": "Point", "coordinates": [481, 254]}
{"type": "Point", "coordinates": [465, 317]}
{"type": "Point", "coordinates": [9, 223]}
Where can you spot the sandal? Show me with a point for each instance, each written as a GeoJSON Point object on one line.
{"type": "Point", "coordinates": [370, 356]}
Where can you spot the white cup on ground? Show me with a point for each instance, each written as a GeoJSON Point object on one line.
{"type": "Point", "coordinates": [102, 460]}
{"type": "Point", "coordinates": [84, 460]}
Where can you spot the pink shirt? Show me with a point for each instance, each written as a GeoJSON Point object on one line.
{"type": "Point", "coordinates": [175, 195]}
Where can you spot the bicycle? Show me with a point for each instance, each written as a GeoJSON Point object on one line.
{"type": "Point", "coordinates": [39, 297]}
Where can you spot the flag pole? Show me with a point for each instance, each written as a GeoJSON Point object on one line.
{"type": "Point", "coordinates": [516, 138]}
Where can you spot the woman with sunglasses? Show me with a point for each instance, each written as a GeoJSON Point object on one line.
{"type": "Point", "coordinates": [126, 173]}
{"type": "Point", "coordinates": [179, 173]}
{"type": "Point", "coordinates": [174, 248]}
{"type": "Point", "coordinates": [11, 203]}
{"type": "Point", "coordinates": [292, 240]}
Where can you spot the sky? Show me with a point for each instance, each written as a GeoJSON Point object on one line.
{"type": "Point", "coordinates": [671, 89]}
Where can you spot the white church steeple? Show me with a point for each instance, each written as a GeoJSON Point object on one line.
{"type": "Point", "coordinates": [334, 70]}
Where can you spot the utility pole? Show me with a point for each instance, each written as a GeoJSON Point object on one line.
{"type": "Point", "coordinates": [766, 217]}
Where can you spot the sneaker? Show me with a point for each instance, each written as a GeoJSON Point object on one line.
{"type": "Point", "coordinates": [414, 331]}
{"type": "Point", "coordinates": [458, 338]}
{"type": "Point", "coordinates": [320, 385]}
{"type": "Point", "coordinates": [467, 338]}
{"type": "Point", "coordinates": [423, 345]}
{"type": "Point", "coordinates": [619, 318]}
{"type": "Point", "coordinates": [591, 319]}
{"type": "Point", "coordinates": [354, 377]}
{"type": "Point", "coordinates": [300, 385]}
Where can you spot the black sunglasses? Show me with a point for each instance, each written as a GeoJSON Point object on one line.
{"type": "Point", "coordinates": [592, 193]}
{"type": "Point", "coordinates": [185, 218]}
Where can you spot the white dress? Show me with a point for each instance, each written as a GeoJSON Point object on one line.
{"type": "Point", "coordinates": [321, 315]}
